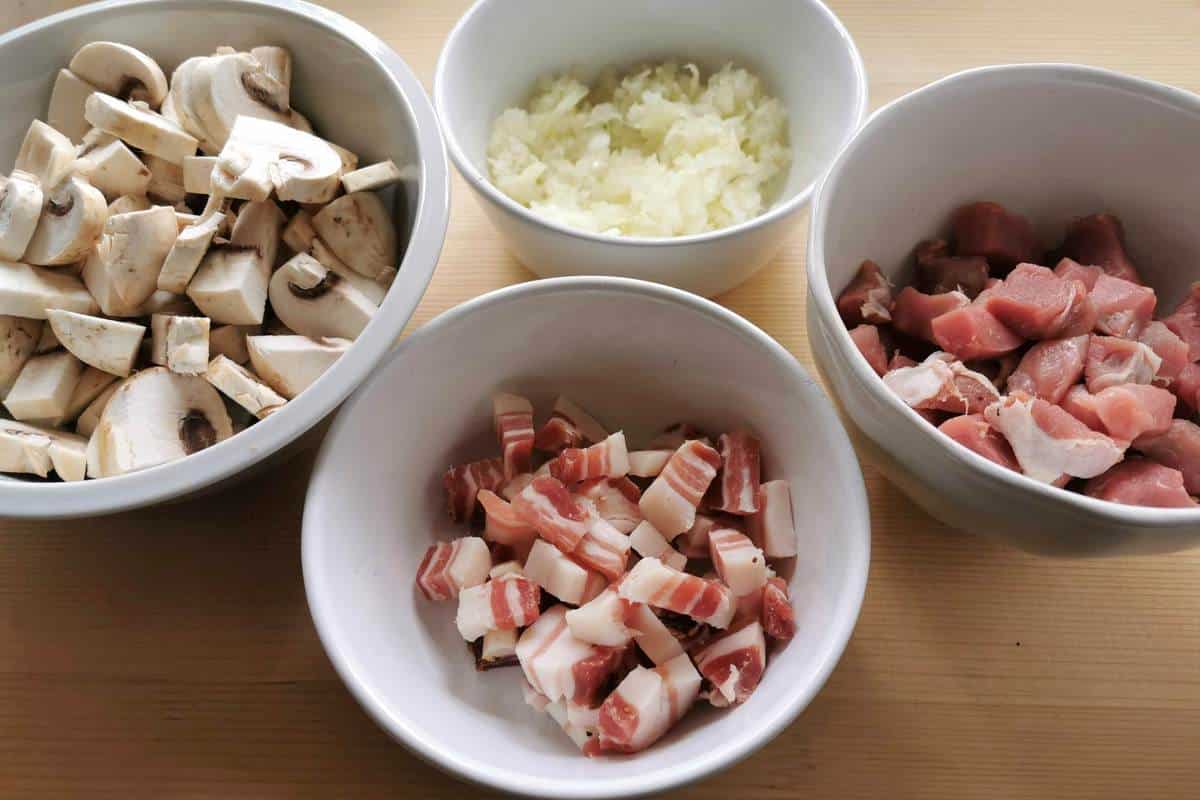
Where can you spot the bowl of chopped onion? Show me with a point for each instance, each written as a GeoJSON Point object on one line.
{"type": "Point", "coordinates": [675, 142]}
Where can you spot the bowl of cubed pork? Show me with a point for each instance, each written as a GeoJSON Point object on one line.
{"type": "Point", "coordinates": [616, 540]}
{"type": "Point", "coordinates": [1001, 299]}
{"type": "Point", "coordinates": [219, 218]}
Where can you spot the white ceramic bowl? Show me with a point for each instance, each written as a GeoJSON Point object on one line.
{"type": "Point", "coordinates": [633, 353]}
{"type": "Point", "coordinates": [500, 48]}
{"type": "Point", "coordinates": [357, 92]}
{"type": "Point", "coordinates": [1053, 142]}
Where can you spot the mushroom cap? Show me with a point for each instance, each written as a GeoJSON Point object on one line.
{"type": "Point", "coordinates": [71, 222]}
{"type": "Point", "coordinates": [260, 154]}
{"type": "Point", "coordinates": [122, 71]}
{"type": "Point", "coordinates": [45, 153]}
{"type": "Point", "coordinates": [315, 302]}
{"type": "Point", "coordinates": [289, 364]}
{"type": "Point", "coordinates": [360, 232]}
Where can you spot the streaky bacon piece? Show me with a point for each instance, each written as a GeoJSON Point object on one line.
{"type": "Point", "coordinates": [866, 339]}
{"type": "Point", "coordinates": [549, 508]}
{"type": "Point", "coordinates": [512, 417]}
{"type": "Point", "coordinates": [1185, 321]}
{"type": "Point", "coordinates": [651, 635]}
{"type": "Point", "coordinates": [973, 432]}
{"type": "Point", "coordinates": [940, 274]}
{"type": "Point", "coordinates": [607, 459]}
{"type": "Point", "coordinates": [561, 667]}
{"type": "Point", "coordinates": [656, 584]}
{"type": "Point", "coordinates": [741, 565]}
{"type": "Point", "coordinates": [1100, 240]}
{"type": "Point", "coordinates": [734, 665]}
{"type": "Point", "coordinates": [773, 528]}
{"type": "Point", "coordinates": [1050, 368]}
{"type": "Point", "coordinates": [516, 486]}
{"type": "Point", "coordinates": [1034, 303]}
{"type": "Point", "coordinates": [649, 463]}
{"type": "Point", "coordinates": [1178, 448]}
{"type": "Point", "coordinates": [504, 525]}
{"type": "Point", "coordinates": [615, 500]}
{"type": "Point", "coordinates": [1112, 361]}
{"type": "Point", "coordinates": [556, 435]}
{"type": "Point", "coordinates": [778, 616]}
{"type": "Point", "coordinates": [647, 542]}
{"type": "Point", "coordinates": [1081, 404]}
{"type": "Point", "coordinates": [972, 332]}
{"type": "Point", "coordinates": [670, 502]}
{"type": "Point", "coordinates": [673, 437]}
{"type": "Point", "coordinates": [1132, 410]}
{"type": "Point", "coordinates": [646, 704]}
{"type": "Point", "coordinates": [603, 549]}
{"type": "Point", "coordinates": [1123, 308]}
{"type": "Point", "coordinates": [693, 543]}
{"type": "Point", "coordinates": [563, 712]}
{"type": "Point", "coordinates": [450, 567]}
{"type": "Point", "coordinates": [942, 383]}
{"type": "Point", "coordinates": [601, 620]}
{"type": "Point", "coordinates": [1072, 270]}
{"type": "Point", "coordinates": [1048, 442]}
{"type": "Point", "coordinates": [500, 604]}
{"type": "Point", "coordinates": [463, 482]}
{"type": "Point", "coordinates": [1141, 482]}
{"type": "Point", "coordinates": [913, 312]}
{"type": "Point", "coordinates": [570, 582]}
{"type": "Point", "coordinates": [1167, 346]}
{"type": "Point", "coordinates": [738, 478]}
{"type": "Point", "coordinates": [507, 568]}
{"type": "Point", "coordinates": [591, 430]}
{"type": "Point", "coordinates": [868, 298]}
{"type": "Point", "coordinates": [496, 649]}
{"type": "Point", "coordinates": [987, 229]}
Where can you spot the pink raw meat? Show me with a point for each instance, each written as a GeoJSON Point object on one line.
{"type": "Point", "coordinates": [868, 298]}
{"type": "Point", "coordinates": [1049, 368]}
{"type": "Point", "coordinates": [1081, 404]}
{"type": "Point", "coordinates": [1186, 387]}
{"type": "Point", "coordinates": [1178, 448]}
{"type": "Point", "coordinates": [1100, 240]}
{"type": "Point", "coordinates": [985, 229]}
{"type": "Point", "coordinates": [1141, 482]}
{"type": "Point", "coordinates": [1170, 348]}
{"type": "Point", "coordinates": [972, 332]}
{"type": "Point", "coordinates": [1048, 442]}
{"type": "Point", "coordinates": [866, 339]}
{"type": "Point", "coordinates": [1037, 304]}
{"type": "Point", "coordinates": [913, 311]}
{"type": "Point", "coordinates": [1112, 361]}
{"type": "Point", "coordinates": [940, 274]}
{"type": "Point", "coordinates": [1131, 410]}
{"type": "Point", "coordinates": [941, 383]}
{"type": "Point", "coordinates": [1074, 271]}
{"type": "Point", "coordinates": [1185, 321]}
{"type": "Point", "coordinates": [1122, 308]}
{"type": "Point", "coordinates": [973, 432]}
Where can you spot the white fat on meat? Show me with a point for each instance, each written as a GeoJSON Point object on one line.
{"type": "Point", "coordinates": [601, 620]}
{"type": "Point", "coordinates": [734, 664]}
{"type": "Point", "coordinates": [498, 645]}
{"type": "Point", "coordinates": [603, 549]}
{"type": "Point", "coordinates": [500, 604]}
{"type": "Point", "coordinates": [584, 422]}
{"type": "Point", "coordinates": [550, 569]}
{"type": "Point", "coordinates": [1081, 452]}
{"type": "Point", "coordinates": [450, 567]}
{"type": "Point", "coordinates": [648, 542]}
{"type": "Point", "coordinates": [506, 568]}
{"type": "Point", "coordinates": [741, 565]}
{"type": "Point", "coordinates": [772, 527]}
{"type": "Point", "coordinates": [651, 635]}
{"type": "Point", "coordinates": [646, 704]}
{"type": "Point", "coordinates": [648, 463]}
{"type": "Point", "coordinates": [656, 584]}
{"type": "Point", "coordinates": [547, 652]}
{"type": "Point", "coordinates": [934, 378]}
{"type": "Point", "coordinates": [670, 502]}
{"type": "Point", "coordinates": [560, 712]}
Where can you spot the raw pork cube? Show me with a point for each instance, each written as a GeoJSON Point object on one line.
{"type": "Point", "coordinates": [1132, 410]}
{"type": "Point", "coordinates": [601, 620]}
{"type": "Point", "coordinates": [1169, 347]}
{"type": "Point", "coordinates": [646, 704]}
{"type": "Point", "coordinates": [940, 274]}
{"type": "Point", "coordinates": [1100, 240]}
{"type": "Point", "coordinates": [738, 480]}
{"type": "Point", "coordinates": [462, 484]}
{"type": "Point", "coordinates": [972, 332]}
{"type": "Point", "coordinates": [653, 583]}
{"type": "Point", "coordinates": [1178, 448]}
{"type": "Point", "coordinates": [549, 508]}
{"type": "Point", "coordinates": [741, 565]}
{"type": "Point", "coordinates": [868, 298]}
{"type": "Point", "coordinates": [501, 604]}
{"type": "Point", "coordinates": [670, 502]}
{"type": "Point", "coordinates": [1081, 404]}
{"type": "Point", "coordinates": [1186, 387]}
{"type": "Point", "coordinates": [773, 528]}
{"type": "Point", "coordinates": [1122, 308]}
{"type": "Point", "coordinates": [561, 667]}
{"type": "Point", "coordinates": [973, 432]}
{"type": "Point", "coordinates": [1035, 303]}
{"type": "Point", "coordinates": [1050, 367]}
{"type": "Point", "coordinates": [512, 417]}
{"type": "Point", "coordinates": [1185, 321]}
{"type": "Point", "coordinates": [734, 664]}
{"type": "Point", "coordinates": [985, 229]}
{"type": "Point", "coordinates": [606, 459]}
{"type": "Point", "coordinates": [941, 383]}
{"type": "Point", "coordinates": [1048, 442]}
{"type": "Point", "coordinates": [450, 567]}
{"type": "Point", "coordinates": [913, 311]}
{"type": "Point", "coordinates": [778, 616]}
{"type": "Point", "coordinates": [1112, 361]}
{"type": "Point", "coordinates": [866, 339]}
{"type": "Point", "coordinates": [1074, 271]}
{"type": "Point", "coordinates": [550, 569]}
{"type": "Point", "coordinates": [1141, 482]}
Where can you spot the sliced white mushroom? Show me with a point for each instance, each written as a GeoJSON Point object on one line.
{"type": "Point", "coordinates": [180, 343]}
{"type": "Point", "coordinates": [48, 341]}
{"type": "Point", "coordinates": [127, 203]}
{"type": "Point", "coordinates": [65, 113]}
{"type": "Point", "coordinates": [24, 449]}
{"type": "Point", "coordinates": [105, 344]}
{"type": "Point", "coordinates": [197, 174]}
{"type": "Point", "coordinates": [187, 252]}
{"type": "Point", "coordinates": [166, 181]}
{"type": "Point", "coordinates": [114, 170]}
{"type": "Point", "coordinates": [94, 139]}
{"type": "Point", "coordinates": [138, 244]}
{"type": "Point", "coordinates": [277, 64]}
{"type": "Point", "coordinates": [243, 387]}
{"type": "Point", "coordinates": [155, 417]}
{"type": "Point", "coordinates": [186, 84]}
{"type": "Point", "coordinates": [290, 364]}
{"type": "Point", "coordinates": [27, 291]}
{"type": "Point", "coordinates": [68, 454]}
{"type": "Point", "coordinates": [100, 283]}
{"type": "Point", "coordinates": [315, 302]}
{"type": "Point", "coordinates": [46, 154]}
{"type": "Point", "coordinates": [166, 303]}
{"type": "Point", "coordinates": [18, 342]}
{"type": "Point", "coordinates": [71, 221]}
{"type": "Point", "coordinates": [261, 154]}
{"type": "Point", "coordinates": [373, 177]}
{"type": "Point", "coordinates": [238, 85]}
{"type": "Point", "coordinates": [358, 230]}
{"type": "Point", "coordinates": [231, 284]}
{"type": "Point", "coordinates": [230, 341]}
{"type": "Point", "coordinates": [122, 71]}
{"type": "Point", "coordinates": [92, 383]}
{"type": "Point", "coordinates": [145, 130]}
{"type": "Point", "coordinates": [89, 418]}
{"type": "Point", "coordinates": [20, 210]}
{"type": "Point", "coordinates": [43, 389]}
{"type": "Point", "coordinates": [299, 233]}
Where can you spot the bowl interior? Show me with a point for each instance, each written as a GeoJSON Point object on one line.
{"type": "Point", "coordinates": [800, 50]}
{"type": "Point", "coordinates": [638, 357]}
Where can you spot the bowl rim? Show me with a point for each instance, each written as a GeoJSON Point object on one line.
{"type": "Point", "coordinates": [20, 499]}
{"type": "Point", "coordinates": [838, 335]}
{"type": "Point", "coordinates": [482, 184]}
{"type": "Point", "coordinates": [322, 596]}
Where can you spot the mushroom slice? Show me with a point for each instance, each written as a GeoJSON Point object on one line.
{"type": "Point", "coordinates": [154, 417]}
{"type": "Point", "coordinates": [71, 222]}
{"type": "Point", "coordinates": [18, 343]}
{"type": "Point", "coordinates": [315, 302]}
{"type": "Point", "coordinates": [43, 390]}
{"type": "Point", "coordinates": [197, 174]}
{"type": "Point", "coordinates": [94, 139]}
{"type": "Point", "coordinates": [276, 64]}
{"type": "Point", "coordinates": [27, 291]}
{"type": "Point", "coordinates": [264, 154]}
{"type": "Point", "coordinates": [180, 343]}
{"type": "Point", "coordinates": [187, 252]}
{"type": "Point", "coordinates": [359, 232]}
{"type": "Point", "coordinates": [102, 343]}
{"type": "Point", "coordinates": [46, 154]}
{"type": "Point", "coordinates": [299, 233]}
{"type": "Point", "coordinates": [141, 128]}
{"type": "Point", "coordinates": [98, 279]}
{"type": "Point", "coordinates": [24, 449]}
{"type": "Point", "coordinates": [90, 417]}
{"type": "Point", "coordinates": [114, 170]}
{"type": "Point", "coordinates": [290, 364]}
{"type": "Point", "coordinates": [243, 387]}
{"type": "Point", "coordinates": [138, 245]}
{"type": "Point", "coordinates": [20, 210]}
{"type": "Point", "coordinates": [186, 87]}
{"type": "Point", "coordinates": [231, 284]}
{"type": "Point", "coordinates": [230, 341]}
{"type": "Point", "coordinates": [65, 113]}
{"type": "Point", "coordinates": [166, 181]}
{"type": "Point", "coordinates": [92, 383]}
{"type": "Point", "coordinates": [48, 340]}
{"type": "Point", "coordinates": [129, 202]}
{"type": "Point", "coordinates": [234, 85]}
{"type": "Point", "coordinates": [122, 71]}
{"type": "Point", "coordinates": [373, 177]}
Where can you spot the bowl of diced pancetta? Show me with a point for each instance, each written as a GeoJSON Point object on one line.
{"type": "Point", "coordinates": [219, 217]}
{"type": "Point", "coordinates": [586, 537]}
{"type": "Point", "coordinates": [1006, 308]}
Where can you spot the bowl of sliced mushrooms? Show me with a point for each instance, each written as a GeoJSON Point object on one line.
{"type": "Point", "coordinates": [218, 219]}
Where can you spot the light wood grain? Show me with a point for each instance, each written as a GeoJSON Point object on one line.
{"type": "Point", "coordinates": [169, 653]}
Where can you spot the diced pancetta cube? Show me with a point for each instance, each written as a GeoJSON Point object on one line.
{"type": "Point", "coordinates": [945, 273]}
{"type": "Point", "coordinates": [591, 430]}
{"type": "Point", "coordinates": [646, 704]}
{"type": "Point", "coordinates": [1141, 482]}
{"type": "Point", "coordinates": [497, 648]}
{"type": "Point", "coordinates": [647, 542]}
{"type": "Point", "coordinates": [693, 543]}
{"type": "Point", "coordinates": [550, 569]}
{"type": "Point", "coordinates": [549, 508]}
{"type": "Point", "coordinates": [1050, 368]}
{"type": "Point", "coordinates": [670, 502]}
{"type": "Point", "coordinates": [556, 435]}
{"type": "Point", "coordinates": [648, 463]}
{"type": "Point", "coordinates": [516, 486]}
{"type": "Point", "coordinates": [673, 437]}
{"type": "Point", "coordinates": [650, 634]}
{"type": "Point", "coordinates": [1100, 240]}
{"type": "Point", "coordinates": [1048, 442]}
{"type": "Point", "coordinates": [1132, 410]}
{"type": "Point", "coordinates": [734, 664]}
{"type": "Point", "coordinates": [778, 616]}
{"type": "Point", "coordinates": [866, 339]}
{"type": "Point", "coordinates": [973, 432]}
{"type": "Point", "coordinates": [615, 500]}
{"type": "Point", "coordinates": [503, 525]}
{"type": "Point", "coordinates": [501, 604]}
{"type": "Point", "coordinates": [913, 312]}
{"type": "Point", "coordinates": [1112, 361]}
{"type": "Point", "coordinates": [868, 298]}
{"type": "Point", "coordinates": [533, 698]}
{"type": "Point", "coordinates": [462, 484]}
{"type": "Point", "coordinates": [1167, 346]}
{"type": "Point", "coordinates": [450, 567]}
{"type": "Point", "coordinates": [1178, 448]}
{"type": "Point", "coordinates": [601, 620]}
{"type": "Point", "coordinates": [972, 332]}
{"type": "Point", "coordinates": [656, 584]}
{"type": "Point", "coordinates": [512, 417]}
{"type": "Point", "coordinates": [738, 480]}
{"type": "Point", "coordinates": [941, 383]}
{"type": "Point", "coordinates": [561, 667]}
{"type": "Point", "coordinates": [773, 528]}
{"type": "Point", "coordinates": [1122, 308]}
{"type": "Point", "coordinates": [1072, 270]}
{"type": "Point", "coordinates": [741, 565]}
{"type": "Point", "coordinates": [603, 549]}
{"type": "Point", "coordinates": [560, 712]}
{"type": "Point", "coordinates": [1034, 303]}
{"type": "Point", "coordinates": [507, 568]}
{"type": "Point", "coordinates": [1185, 321]}
{"type": "Point", "coordinates": [608, 459]}
{"type": "Point", "coordinates": [986, 229]}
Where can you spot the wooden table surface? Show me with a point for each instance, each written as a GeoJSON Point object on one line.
{"type": "Point", "coordinates": [169, 653]}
